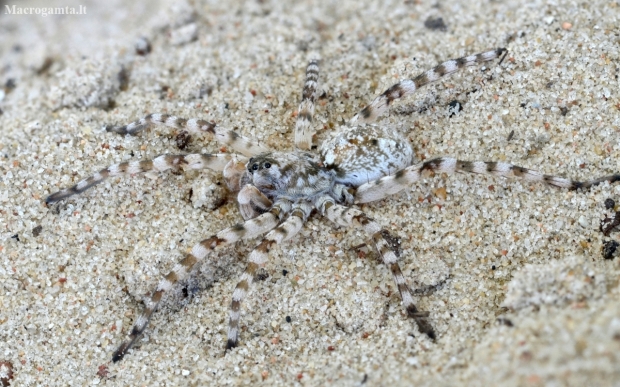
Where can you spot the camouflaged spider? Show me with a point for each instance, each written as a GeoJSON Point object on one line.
{"type": "Point", "coordinates": [278, 190]}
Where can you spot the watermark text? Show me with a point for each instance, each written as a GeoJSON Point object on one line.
{"type": "Point", "coordinates": [44, 11]}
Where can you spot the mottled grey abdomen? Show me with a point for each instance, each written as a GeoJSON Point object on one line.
{"type": "Point", "coordinates": [361, 154]}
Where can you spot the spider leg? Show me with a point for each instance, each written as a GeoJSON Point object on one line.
{"type": "Point", "coordinates": [258, 257]}
{"type": "Point", "coordinates": [252, 202]}
{"type": "Point", "coordinates": [161, 163]}
{"type": "Point", "coordinates": [409, 86]}
{"type": "Point", "coordinates": [305, 112]}
{"type": "Point", "coordinates": [200, 251]}
{"type": "Point", "coordinates": [389, 185]}
{"type": "Point", "coordinates": [241, 144]}
{"type": "Point", "coordinates": [388, 249]}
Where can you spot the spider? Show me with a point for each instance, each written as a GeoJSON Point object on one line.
{"type": "Point", "coordinates": [277, 191]}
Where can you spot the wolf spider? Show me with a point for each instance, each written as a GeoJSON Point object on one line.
{"type": "Point", "coordinates": [278, 190]}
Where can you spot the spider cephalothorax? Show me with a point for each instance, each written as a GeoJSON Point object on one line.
{"type": "Point", "coordinates": [277, 191]}
{"type": "Point", "coordinates": [289, 175]}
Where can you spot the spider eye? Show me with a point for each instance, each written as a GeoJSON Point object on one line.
{"type": "Point", "coordinates": [254, 167]}
{"type": "Point", "coordinates": [267, 165]}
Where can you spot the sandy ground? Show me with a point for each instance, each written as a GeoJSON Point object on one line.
{"type": "Point", "coordinates": [515, 281]}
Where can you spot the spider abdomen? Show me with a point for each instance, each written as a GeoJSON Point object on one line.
{"type": "Point", "coordinates": [361, 154]}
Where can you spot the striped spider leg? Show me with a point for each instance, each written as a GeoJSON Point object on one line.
{"type": "Point", "coordinates": [215, 161]}
{"type": "Point", "coordinates": [251, 202]}
{"type": "Point", "coordinates": [389, 185]}
{"type": "Point", "coordinates": [241, 144]}
{"type": "Point", "coordinates": [384, 244]}
{"type": "Point", "coordinates": [262, 215]}
{"type": "Point", "coordinates": [409, 86]}
{"type": "Point", "coordinates": [305, 112]}
{"type": "Point", "coordinates": [375, 162]}
{"type": "Point", "coordinates": [228, 163]}
{"type": "Point", "coordinates": [250, 229]}
{"type": "Point", "coordinates": [258, 258]}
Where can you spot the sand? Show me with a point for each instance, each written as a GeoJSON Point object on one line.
{"type": "Point", "coordinates": [511, 272]}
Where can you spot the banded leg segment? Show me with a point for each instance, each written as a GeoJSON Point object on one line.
{"type": "Point", "coordinates": [388, 248]}
{"type": "Point", "coordinates": [199, 252]}
{"type": "Point", "coordinates": [216, 162]}
{"type": "Point", "coordinates": [258, 257]}
{"type": "Point", "coordinates": [384, 243]}
{"type": "Point", "coordinates": [389, 185]}
{"type": "Point", "coordinates": [409, 86]}
{"type": "Point", "coordinates": [305, 112]}
{"type": "Point", "coordinates": [241, 144]}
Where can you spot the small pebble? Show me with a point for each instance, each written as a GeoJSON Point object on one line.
{"type": "Point", "coordinates": [143, 46]}
{"type": "Point", "coordinates": [609, 249]}
{"type": "Point", "coordinates": [185, 34]}
{"type": "Point", "coordinates": [610, 204]}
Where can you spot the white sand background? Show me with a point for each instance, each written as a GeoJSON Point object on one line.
{"type": "Point", "coordinates": [73, 275]}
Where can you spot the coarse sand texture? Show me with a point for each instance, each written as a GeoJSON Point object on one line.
{"type": "Point", "coordinates": [512, 272]}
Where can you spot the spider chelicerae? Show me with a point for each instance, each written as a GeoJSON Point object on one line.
{"type": "Point", "coordinates": [277, 191]}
